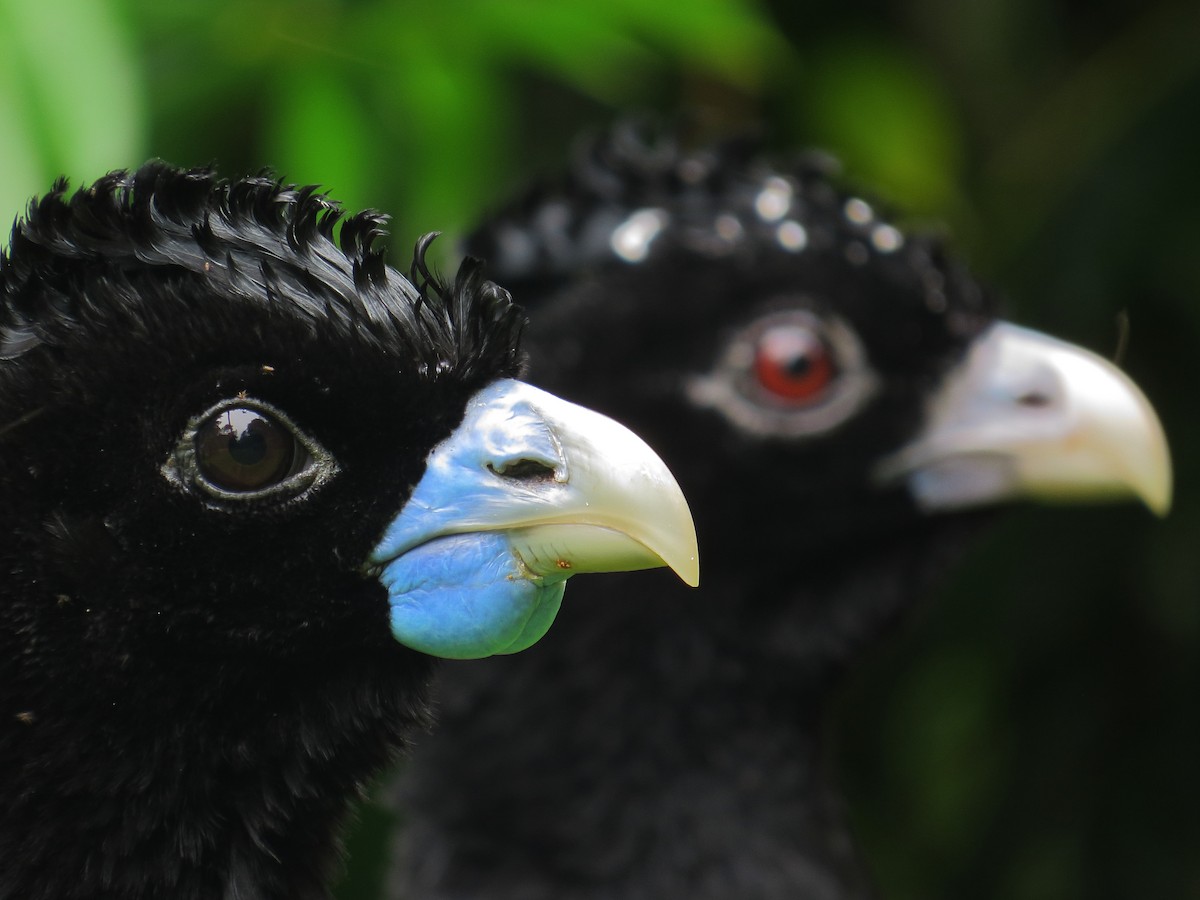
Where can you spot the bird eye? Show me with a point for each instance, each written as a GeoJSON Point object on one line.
{"type": "Point", "coordinates": [790, 373]}
{"type": "Point", "coordinates": [245, 449]}
{"type": "Point", "coordinates": [793, 364]}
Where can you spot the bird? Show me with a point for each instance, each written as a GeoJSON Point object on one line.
{"type": "Point", "coordinates": [253, 480]}
{"type": "Point", "coordinates": [842, 405]}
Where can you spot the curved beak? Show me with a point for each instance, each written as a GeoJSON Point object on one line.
{"type": "Point", "coordinates": [1027, 415]}
{"type": "Point", "coordinates": [527, 491]}
{"type": "Point", "coordinates": [576, 491]}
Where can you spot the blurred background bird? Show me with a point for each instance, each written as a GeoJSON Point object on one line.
{"type": "Point", "coordinates": [839, 399]}
{"type": "Point", "coordinates": [1036, 735]}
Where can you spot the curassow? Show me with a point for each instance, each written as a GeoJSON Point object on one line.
{"type": "Point", "coordinates": [241, 465]}
{"type": "Point", "coordinates": [838, 400]}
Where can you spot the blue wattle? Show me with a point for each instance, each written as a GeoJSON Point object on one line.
{"type": "Point", "coordinates": [466, 596]}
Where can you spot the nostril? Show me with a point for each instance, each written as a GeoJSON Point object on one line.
{"type": "Point", "coordinates": [1034, 399]}
{"type": "Point", "coordinates": [524, 470]}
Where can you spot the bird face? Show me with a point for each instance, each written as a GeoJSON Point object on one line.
{"type": "Point", "coordinates": [219, 452]}
{"type": "Point", "coordinates": [246, 471]}
{"type": "Point", "coordinates": [803, 364]}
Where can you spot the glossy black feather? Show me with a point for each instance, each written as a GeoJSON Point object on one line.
{"type": "Point", "coordinates": [191, 696]}
{"type": "Point", "coordinates": [671, 744]}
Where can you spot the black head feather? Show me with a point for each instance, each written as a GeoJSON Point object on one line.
{"type": "Point", "coordinates": [254, 239]}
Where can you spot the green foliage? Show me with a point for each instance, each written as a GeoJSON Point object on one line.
{"type": "Point", "coordinates": [71, 95]}
{"type": "Point", "coordinates": [1037, 735]}
{"type": "Point", "coordinates": [418, 108]}
{"type": "Point", "coordinates": [891, 121]}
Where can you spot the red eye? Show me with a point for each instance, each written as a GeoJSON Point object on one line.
{"type": "Point", "coordinates": [792, 363]}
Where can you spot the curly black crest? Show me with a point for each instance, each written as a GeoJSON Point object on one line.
{"type": "Point", "coordinates": [255, 240]}
{"type": "Point", "coordinates": [635, 188]}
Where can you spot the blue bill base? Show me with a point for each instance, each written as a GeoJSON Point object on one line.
{"type": "Point", "coordinates": [466, 596]}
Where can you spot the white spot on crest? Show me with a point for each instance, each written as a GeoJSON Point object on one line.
{"type": "Point", "coordinates": [728, 227]}
{"type": "Point", "coordinates": [859, 211]}
{"type": "Point", "coordinates": [632, 238]}
{"type": "Point", "coordinates": [774, 200]}
{"type": "Point", "coordinates": [886, 238]}
{"type": "Point", "coordinates": [792, 236]}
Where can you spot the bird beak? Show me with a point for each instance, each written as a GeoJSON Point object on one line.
{"type": "Point", "coordinates": [526, 492]}
{"type": "Point", "coordinates": [1026, 415]}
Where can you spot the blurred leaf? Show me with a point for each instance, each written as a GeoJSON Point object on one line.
{"type": "Point", "coordinates": [603, 48]}
{"type": "Point", "coordinates": [320, 134]}
{"type": "Point", "coordinates": [730, 38]}
{"type": "Point", "coordinates": [941, 747]}
{"type": "Point", "coordinates": [416, 107]}
{"type": "Point", "coordinates": [20, 159]}
{"type": "Point", "coordinates": [888, 120]}
{"type": "Point", "coordinates": [76, 93]}
{"type": "Point", "coordinates": [568, 40]}
{"type": "Point", "coordinates": [1049, 868]}
{"type": "Point", "coordinates": [451, 134]}
{"type": "Point", "coordinates": [1071, 122]}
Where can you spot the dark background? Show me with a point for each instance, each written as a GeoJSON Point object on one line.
{"type": "Point", "coordinates": [1035, 731]}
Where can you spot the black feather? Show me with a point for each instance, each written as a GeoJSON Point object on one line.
{"type": "Point", "coordinates": [189, 221]}
{"type": "Point", "coordinates": [190, 698]}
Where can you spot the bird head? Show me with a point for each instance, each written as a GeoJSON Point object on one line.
{"type": "Point", "coordinates": [223, 432]}
{"type": "Point", "coordinates": [818, 378]}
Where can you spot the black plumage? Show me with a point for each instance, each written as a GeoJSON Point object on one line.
{"type": "Point", "coordinates": [197, 669]}
{"type": "Point", "coordinates": [779, 343]}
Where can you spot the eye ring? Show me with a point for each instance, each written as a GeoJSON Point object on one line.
{"type": "Point", "coordinates": [243, 449]}
{"type": "Point", "coordinates": [793, 365]}
{"type": "Point", "coordinates": [791, 373]}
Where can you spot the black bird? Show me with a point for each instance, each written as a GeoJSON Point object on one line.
{"type": "Point", "coordinates": [838, 399]}
{"type": "Point", "coordinates": [241, 466]}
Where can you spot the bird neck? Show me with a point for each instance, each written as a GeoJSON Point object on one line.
{"type": "Point", "coordinates": [660, 743]}
{"type": "Point", "coordinates": [191, 778]}
{"type": "Point", "coordinates": [647, 744]}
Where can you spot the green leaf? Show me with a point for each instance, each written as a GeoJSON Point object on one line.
{"type": "Point", "coordinates": [888, 120]}
{"type": "Point", "coordinates": [73, 101]}
{"type": "Point", "coordinates": [20, 161]}
{"type": "Point", "coordinates": [320, 134]}
{"type": "Point", "coordinates": [450, 136]}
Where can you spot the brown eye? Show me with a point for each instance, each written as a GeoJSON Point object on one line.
{"type": "Point", "coordinates": [793, 364]}
{"type": "Point", "coordinates": [242, 450]}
